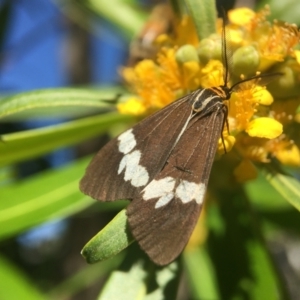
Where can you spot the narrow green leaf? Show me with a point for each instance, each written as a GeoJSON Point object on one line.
{"type": "Point", "coordinates": [23, 145]}
{"type": "Point", "coordinates": [124, 15]}
{"type": "Point", "coordinates": [264, 196]}
{"type": "Point", "coordinates": [177, 7]}
{"type": "Point", "coordinates": [265, 284]}
{"type": "Point", "coordinates": [202, 280]}
{"type": "Point", "coordinates": [239, 254]}
{"type": "Point", "coordinates": [48, 195]}
{"type": "Point", "coordinates": [126, 284]}
{"type": "Point", "coordinates": [284, 220]}
{"type": "Point", "coordinates": [204, 15]}
{"type": "Point", "coordinates": [60, 102]}
{"type": "Point", "coordinates": [286, 185]}
{"type": "Point", "coordinates": [15, 285]}
{"type": "Point", "coordinates": [139, 278]}
{"type": "Point", "coordinates": [109, 241]}
{"type": "Point", "coordinates": [167, 279]}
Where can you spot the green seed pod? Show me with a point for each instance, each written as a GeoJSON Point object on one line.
{"type": "Point", "coordinates": [288, 84]}
{"type": "Point", "coordinates": [210, 48]}
{"type": "Point", "coordinates": [186, 53]}
{"type": "Point", "coordinates": [245, 60]}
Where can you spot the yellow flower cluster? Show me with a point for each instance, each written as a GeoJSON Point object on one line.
{"type": "Point", "coordinates": [263, 122]}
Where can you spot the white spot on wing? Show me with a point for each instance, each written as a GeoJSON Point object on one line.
{"type": "Point", "coordinates": [135, 173]}
{"type": "Point", "coordinates": [162, 189]}
{"type": "Point", "coordinates": [140, 177]}
{"type": "Point", "coordinates": [127, 141]}
{"type": "Point", "coordinates": [188, 191]}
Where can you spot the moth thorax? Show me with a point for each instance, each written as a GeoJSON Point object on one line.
{"type": "Point", "coordinates": [224, 92]}
{"type": "Point", "coordinates": [206, 99]}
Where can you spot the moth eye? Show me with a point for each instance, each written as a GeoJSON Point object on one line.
{"type": "Point", "coordinates": [197, 106]}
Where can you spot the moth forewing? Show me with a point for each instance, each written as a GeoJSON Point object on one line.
{"type": "Point", "coordinates": [113, 172]}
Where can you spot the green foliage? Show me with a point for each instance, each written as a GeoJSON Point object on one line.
{"type": "Point", "coordinates": [233, 263]}
{"type": "Point", "coordinates": [288, 10]}
{"type": "Point", "coordinates": [109, 241]}
{"type": "Point", "coordinates": [15, 285]}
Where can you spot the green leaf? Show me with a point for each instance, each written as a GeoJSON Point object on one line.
{"type": "Point", "coordinates": [264, 196]}
{"type": "Point", "coordinates": [202, 280]}
{"type": "Point", "coordinates": [15, 285]}
{"type": "Point", "coordinates": [265, 285]}
{"type": "Point", "coordinates": [167, 280]}
{"type": "Point", "coordinates": [286, 185]}
{"type": "Point", "coordinates": [139, 278]}
{"type": "Point", "coordinates": [126, 284]}
{"type": "Point", "coordinates": [60, 102]}
{"type": "Point", "coordinates": [23, 145]}
{"type": "Point", "coordinates": [240, 256]}
{"type": "Point", "coordinates": [109, 241]}
{"type": "Point", "coordinates": [124, 15]}
{"type": "Point", "coordinates": [284, 220]}
{"type": "Point", "coordinates": [204, 15]}
{"type": "Point", "coordinates": [48, 195]}
{"type": "Point", "coordinates": [287, 11]}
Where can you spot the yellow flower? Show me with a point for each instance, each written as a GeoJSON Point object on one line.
{"type": "Point", "coordinates": [241, 16]}
{"type": "Point", "coordinates": [225, 143]}
{"type": "Point", "coordinates": [289, 155]}
{"type": "Point", "coordinates": [252, 148]}
{"type": "Point", "coordinates": [257, 119]}
{"type": "Point", "coordinates": [274, 41]}
{"type": "Point", "coordinates": [180, 36]}
{"type": "Point", "coordinates": [297, 54]}
{"type": "Point", "coordinates": [133, 106]}
{"type": "Point", "coordinates": [212, 74]}
{"type": "Point", "coordinates": [146, 78]}
{"type": "Point", "coordinates": [264, 128]}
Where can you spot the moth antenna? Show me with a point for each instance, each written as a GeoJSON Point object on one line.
{"type": "Point", "coordinates": [265, 79]}
{"type": "Point", "coordinates": [224, 50]}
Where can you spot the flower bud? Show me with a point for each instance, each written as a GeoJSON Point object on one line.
{"type": "Point", "coordinates": [288, 84]}
{"type": "Point", "coordinates": [186, 53]}
{"type": "Point", "coordinates": [245, 60]}
{"type": "Point", "coordinates": [210, 48]}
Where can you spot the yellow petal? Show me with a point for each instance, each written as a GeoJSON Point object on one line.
{"type": "Point", "coordinates": [245, 171]}
{"type": "Point", "coordinates": [297, 54]}
{"type": "Point", "coordinates": [191, 75]}
{"type": "Point", "coordinates": [236, 37]}
{"type": "Point", "coordinates": [264, 128]}
{"type": "Point", "coordinates": [132, 106]}
{"type": "Point", "coordinates": [191, 68]}
{"type": "Point", "coordinates": [290, 156]}
{"type": "Point", "coordinates": [263, 96]}
{"type": "Point", "coordinates": [212, 74]}
{"type": "Point", "coordinates": [229, 142]}
{"type": "Point", "coordinates": [241, 16]}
